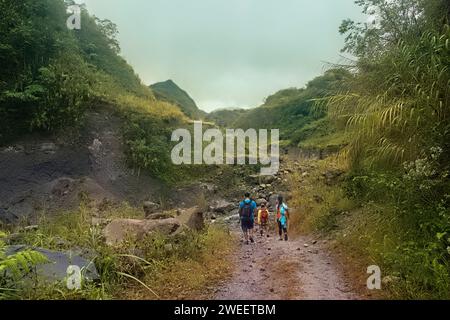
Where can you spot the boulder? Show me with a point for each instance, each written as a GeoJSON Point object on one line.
{"type": "Point", "coordinates": [159, 216]}
{"type": "Point", "coordinates": [150, 208]}
{"type": "Point", "coordinates": [268, 179]}
{"type": "Point", "coordinates": [223, 206]}
{"type": "Point", "coordinates": [192, 218]}
{"type": "Point", "coordinates": [122, 229]}
{"type": "Point", "coordinates": [262, 196]}
{"type": "Point", "coordinates": [253, 179]}
{"type": "Point", "coordinates": [260, 201]}
{"type": "Point", "coordinates": [234, 217]}
{"type": "Point", "coordinates": [209, 187]}
{"type": "Point", "coordinates": [56, 268]}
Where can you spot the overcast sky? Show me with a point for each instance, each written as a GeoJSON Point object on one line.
{"type": "Point", "coordinates": [228, 53]}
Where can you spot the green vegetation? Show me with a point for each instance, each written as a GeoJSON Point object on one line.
{"type": "Point", "coordinates": [387, 114]}
{"type": "Point", "coordinates": [392, 209]}
{"type": "Point", "coordinates": [149, 269]}
{"type": "Point", "coordinates": [226, 118]}
{"type": "Point", "coordinates": [294, 111]}
{"type": "Point", "coordinates": [14, 267]}
{"type": "Point", "coordinates": [397, 109]}
{"type": "Point", "coordinates": [52, 75]}
{"type": "Point", "coordinates": [170, 92]}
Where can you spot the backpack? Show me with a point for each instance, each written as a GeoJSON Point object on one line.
{"type": "Point", "coordinates": [264, 215]}
{"type": "Point", "coordinates": [280, 208]}
{"type": "Point", "coordinates": [246, 211]}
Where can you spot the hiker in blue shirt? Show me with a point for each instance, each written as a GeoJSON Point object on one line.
{"type": "Point", "coordinates": [247, 209]}
{"type": "Point", "coordinates": [282, 218]}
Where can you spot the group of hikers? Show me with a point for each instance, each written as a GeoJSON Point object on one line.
{"type": "Point", "coordinates": [248, 210]}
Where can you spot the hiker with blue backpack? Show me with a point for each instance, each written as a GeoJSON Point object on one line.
{"type": "Point", "coordinates": [247, 209]}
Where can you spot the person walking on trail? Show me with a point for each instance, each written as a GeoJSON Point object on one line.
{"type": "Point", "coordinates": [247, 210]}
{"type": "Point", "coordinates": [282, 218]}
{"type": "Point", "coordinates": [263, 219]}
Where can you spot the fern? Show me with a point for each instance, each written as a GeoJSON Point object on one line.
{"type": "Point", "coordinates": [15, 267]}
{"type": "Point", "coordinates": [397, 102]}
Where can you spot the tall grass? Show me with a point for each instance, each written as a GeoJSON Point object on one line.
{"type": "Point", "coordinates": [153, 268]}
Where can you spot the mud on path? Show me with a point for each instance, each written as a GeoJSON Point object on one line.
{"type": "Point", "coordinates": [271, 269]}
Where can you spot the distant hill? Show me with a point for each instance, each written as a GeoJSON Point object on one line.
{"type": "Point", "coordinates": [226, 117]}
{"type": "Point", "coordinates": [169, 91]}
{"type": "Point", "coordinates": [293, 111]}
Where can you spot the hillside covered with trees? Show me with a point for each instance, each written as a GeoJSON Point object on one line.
{"type": "Point", "coordinates": [52, 75]}
{"type": "Point", "coordinates": [387, 115]}
{"type": "Point", "coordinates": [380, 196]}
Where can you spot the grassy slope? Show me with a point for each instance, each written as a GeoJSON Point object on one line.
{"type": "Point", "coordinates": [91, 57]}
{"type": "Point", "coordinates": [170, 92]}
{"type": "Point", "coordinates": [226, 118]}
{"type": "Point", "coordinates": [161, 265]}
{"type": "Point", "coordinates": [295, 111]}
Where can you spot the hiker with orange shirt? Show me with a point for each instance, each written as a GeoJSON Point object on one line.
{"type": "Point", "coordinates": [263, 219]}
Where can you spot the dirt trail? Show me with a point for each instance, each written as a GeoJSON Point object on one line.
{"type": "Point", "coordinates": [277, 270]}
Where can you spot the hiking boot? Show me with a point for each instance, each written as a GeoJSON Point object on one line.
{"type": "Point", "coordinates": [285, 237]}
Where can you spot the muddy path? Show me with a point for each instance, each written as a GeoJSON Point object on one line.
{"type": "Point", "coordinates": [299, 269]}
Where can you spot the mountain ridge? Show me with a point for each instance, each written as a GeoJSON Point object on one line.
{"type": "Point", "coordinates": [169, 91]}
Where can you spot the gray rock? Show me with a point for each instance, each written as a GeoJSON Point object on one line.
{"type": "Point", "coordinates": [388, 280]}
{"type": "Point", "coordinates": [56, 268]}
{"type": "Point", "coordinates": [233, 217]}
{"type": "Point", "coordinates": [7, 217]}
{"type": "Point", "coordinates": [268, 179]}
{"type": "Point", "coordinates": [122, 229]}
{"type": "Point", "coordinates": [223, 206]}
{"type": "Point", "coordinates": [159, 216]}
{"type": "Point", "coordinates": [49, 147]}
{"type": "Point", "coordinates": [253, 179]}
{"type": "Point", "coordinates": [150, 207]}
{"type": "Point", "coordinates": [261, 201]}
{"type": "Point", "coordinates": [209, 187]}
{"type": "Point", "coordinates": [193, 218]}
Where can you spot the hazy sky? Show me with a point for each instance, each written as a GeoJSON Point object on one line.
{"type": "Point", "coordinates": [228, 53]}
